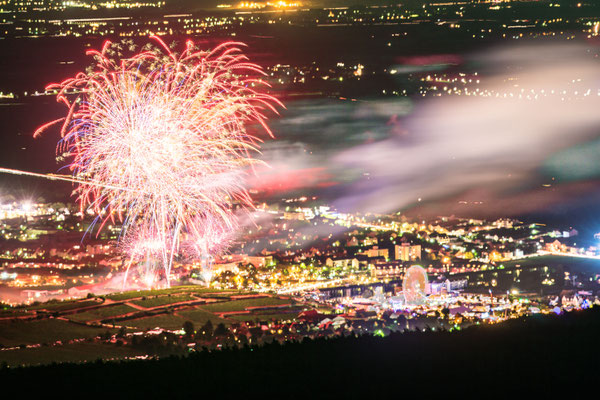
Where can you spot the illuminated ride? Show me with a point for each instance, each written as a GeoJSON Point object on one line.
{"type": "Point", "coordinates": [415, 285]}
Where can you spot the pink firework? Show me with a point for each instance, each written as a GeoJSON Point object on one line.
{"type": "Point", "coordinates": [159, 142]}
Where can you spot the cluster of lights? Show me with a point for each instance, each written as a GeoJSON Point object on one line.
{"type": "Point", "coordinates": [259, 5]}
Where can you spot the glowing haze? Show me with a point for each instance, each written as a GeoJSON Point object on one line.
{"type": "Point", "coordinates": [161, 141]}
{"type": "Point", "coordinates": [526, 142]}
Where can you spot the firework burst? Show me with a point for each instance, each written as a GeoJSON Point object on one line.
{"type": "Point", "coordinates": [159, 141]}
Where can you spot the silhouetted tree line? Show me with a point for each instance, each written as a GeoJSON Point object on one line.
{"type": "Point", "coordinates": [539, 354]}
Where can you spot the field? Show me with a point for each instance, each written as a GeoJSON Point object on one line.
{"type": "Point", "coordinates": [175, 321]}
{"type": "Point", "coordinates": [76, 352]}
{"type": "Point", "coordinates": [265, 317]}
{"type": "Point", "coordinates": [174, 290]}
{"type": "Point", "coordinates": [44, 331]}
{"type": "Point", "coordinates": [12, 312]}
{"type": "Point", "coordinates": [102, 313]}
{"type": "Point", "coordinates": [163, 300]}
{"type": "Point", "coordinates": [165, 321]}
{"type": "Point", "coordinates": [199, 317]}
{"type": "Point", "coordinates": [241, 305]}
{"type": "Point", "coordinates": [64, 305]}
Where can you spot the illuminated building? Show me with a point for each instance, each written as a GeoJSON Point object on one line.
{"type": "Point", "coordinates": [408, 252]}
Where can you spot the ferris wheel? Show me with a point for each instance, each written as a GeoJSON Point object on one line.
{"type": "Point", "coordinates": [415, 285]}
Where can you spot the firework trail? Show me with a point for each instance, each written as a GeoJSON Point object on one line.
{"type": "Point", "coordinates": [159, 141]}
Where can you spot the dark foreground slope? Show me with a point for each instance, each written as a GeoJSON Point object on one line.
{"type": "Point", "coordinates": [541, 354]}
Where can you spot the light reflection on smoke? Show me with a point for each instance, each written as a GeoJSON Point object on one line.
{"type": "Point", "coordinates": [383, 155]}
